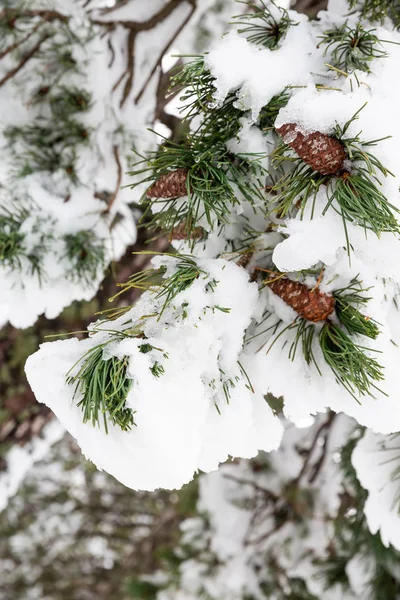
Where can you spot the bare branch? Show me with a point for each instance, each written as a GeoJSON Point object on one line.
{"type": "Point", "coordinates": [164, 50]}
{"type": "Point", "coordinates": [13, 47]}
{"type": "Point", "coordinates": [47, 15]}
{"type": "Point", "coordinates": [24, 60]}
{"type": "Point", "coordinates": [119, 178]}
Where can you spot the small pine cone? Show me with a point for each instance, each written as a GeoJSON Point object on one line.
{"type": "Point", "coordinates": [310, 304]}
{"type": "Point", "coordinates": [325, 154]}
{"type": "Point", "coordinates": [244, 259]}
{"type": "Point", "coordinates": [169, 185]}
{"type": "Point", "coordinates": [180, 233]}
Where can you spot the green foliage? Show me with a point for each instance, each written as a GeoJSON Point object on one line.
{"type": "Point", "coordinates": [213, 173]}
{"type": "Point", "coordinates": [357, 193]}
{"type": "Point", "coordinates": [157, 370]}
{"type": "Point", "coordinates": [353, 539]}
{"type": "Point", "coordinates": [348, 301]}
{"type": "Point", "coordinates": [275, 404]}
{"type": "Point", "coordinates": [353, 193]}
{"type": "Point", "coordinates": [69, 101]}
{"type": "Point", "coordinates": [50, 141]}
{"type": "Point", "coordinates": [185, 274]}
{"type": "Point", "coordinates": [262, 26]}
{"type": "Point", "coordinates": [352, 48]}
{"type": "Point", "coordinates": [378, 10]}
{"type": "Point", "coordinates": [11, 237]}
{"type": "Point", "coordinates": [85, 253]}
{"type": "Point", "coordinates": [14, 252]}
{"type": "Point", "coordinates": [354, 369]}
{"type": "Point", "coordinates": [47, 147]}
{"type": "Point", "coordinates": [140, 590]}
{"type": "Point", "coordinates": [269, 113]}
{"type": "Point", "coordinates": [104, 385]}
{"type": "Point", "coordinates": [351, 363]}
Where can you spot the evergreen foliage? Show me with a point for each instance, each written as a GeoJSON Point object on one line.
{"type": "Point", "coordinates": [243, 195]}
{"type": "Point", "coordinates": [265, 24]}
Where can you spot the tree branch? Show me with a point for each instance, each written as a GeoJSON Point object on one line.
{"type": "Point", "coordinates": [12, 47]}
{"type": "Point", "coordinates": [24, 60]}
{"type": "Point", "coordinates": [119, 178]}
{"type": "Point", "coordinates": [164, 50]}
{"type": "Point", "coordinates": [47, 15]}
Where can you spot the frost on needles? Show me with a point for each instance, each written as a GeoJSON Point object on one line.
{"type": "Point", "coordinates": [282, 205]}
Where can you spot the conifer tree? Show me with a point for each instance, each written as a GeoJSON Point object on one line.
{"type": "Point", "coordinates": [281, 286]}
{"type": "Point", "coordinates": [76, 95]}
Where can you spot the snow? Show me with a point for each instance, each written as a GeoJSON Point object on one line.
{"type": "Point", "coordinates": [234, 532]}
{"type": "Point", "coordinates": [209, 342]}
{"type": "Point", "coordinates": [376, 460]}
{"type": "Point", "coordinates": [285, 66]}
{"type": "Point", "coordinates": [21, 459]}
{"type": "Point", "coordinates": [179, 429]}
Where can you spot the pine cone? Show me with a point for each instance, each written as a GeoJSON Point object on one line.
{"type": "Point", "coordinates": [312, 305]}
{"type": "Point", "coordinates": [325, 154]}
{"type": "Point", "coordinates": [169, 185]}
{"type": "Point", "coordinates": [180, 233]}
{"type": "Point", "coordinates": [245, 258]}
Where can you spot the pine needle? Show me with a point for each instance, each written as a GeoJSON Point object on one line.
{"type": "Point", "coordinates": [104, 386]}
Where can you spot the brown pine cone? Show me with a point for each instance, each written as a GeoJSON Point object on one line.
{"type": "Point", "coordinates": [245, 258]}
{"type": "Point", "coordinates": [180, 233]}
{"type": "Point", "coordinates": [325, 154]}
{"type": "Point", "coordinates": [310, 304]}
{"type": "Point", "coordinates": [169, 185]}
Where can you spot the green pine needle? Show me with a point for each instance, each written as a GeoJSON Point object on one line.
{"type": "Point", "coordinates": [378, 10]}
{"type": "Point", "coordinates": [361, 202]}
{"type": "Point", "coordinates": [157, 370]}
{"type": "Point", "coordinates": [47, 147]}
{"type": "Point", "coordinates": [212, 177]}
{"type": "Point", "coordinates": [295, 188]}
{"type": "Point", "coordinates": [356, 192]}
{"type": "Point", "coordinates": [187, 271]}
{"type": "Point", "coordinates": [68, 101]}
{"type": "Point", "coordinates": [353, 368]}
{"type": "Point", "coordinates": [197, 84]}
{"type": "Point", "coordinates": [220, 122]}
{"type": "Point", "coordinates": [11, 239]}
{"type": "Point", "coordinates": [13, 252]}
{"type": "Point", "coordinates": [261, 26]}
{"type": "Point", "coordinates": [348, 301]}
{"type": "Point", "coordinates": [104, 386]}
{"type": "Point", "coordinates": [352, 48]}
{"type": "Point", "coordinates": [269, 113]}
{"type": "Point", "coordinates": [86, 256]}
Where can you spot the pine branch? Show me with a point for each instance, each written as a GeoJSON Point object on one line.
{"type": "Point", "coordinates": [262, 27]}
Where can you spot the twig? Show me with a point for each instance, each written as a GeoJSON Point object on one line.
{"type": "Point", "coordinates": [164, 50]}
{"type": "Point", "coordinates": [134, 28]}
{"type": "Point", "coordinates": [119, 178]}
{"type": "Point", "coordinates": [24, 60]}
{"type": "Point", "coordinates": [268, 534]}
{"type": "Point", "coordinates": [47, 15]}
{"type": "Point", "coordinates": [137, 26]}
{"type": "Point", "coordinates": [325, 425]}
{"type": "Point", "coordinates": [253, 484]}
{"type": "Point", "coordinates": [12, 47]}
{"type": "Point", "coordinates": [108, 9]}
{"type": "Point", "coordinates": [318, 465]}
{"type": "Point", "coordinates": [130, 66]}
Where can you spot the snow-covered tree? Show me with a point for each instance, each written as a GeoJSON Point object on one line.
{"type": "Point", "coordinates": [277, 303]}
{"type": "Point", "coordinates": [80, 83]}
